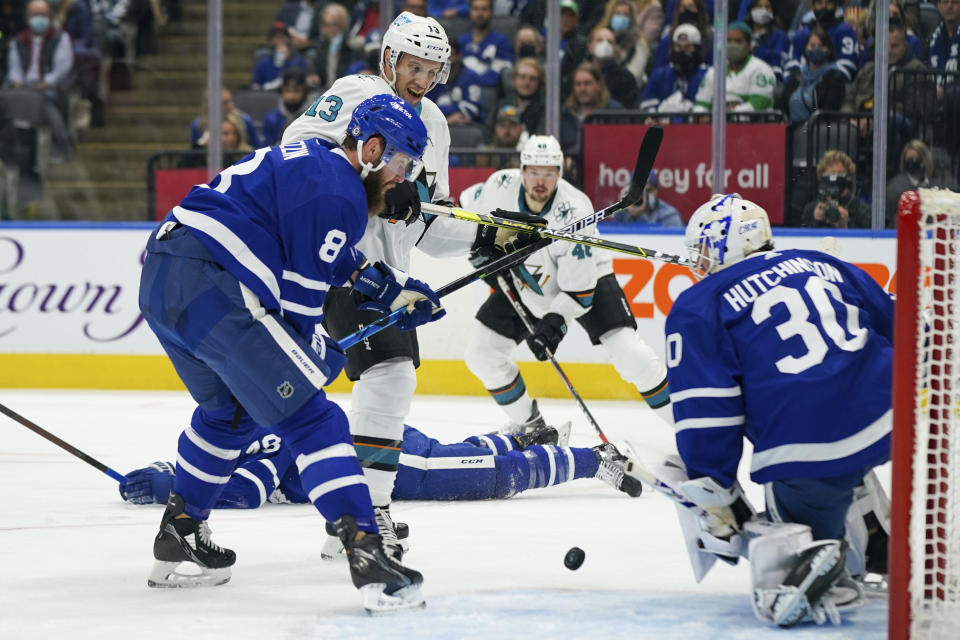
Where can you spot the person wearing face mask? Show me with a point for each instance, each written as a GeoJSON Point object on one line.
{"type": "Point", "coordinates": [692, 12]}
{"type": "Point", "coordinates": [41, 57]}
{"type": "Point", "coordinates": [291, 103]}
{"type": "Point", "coordinates": [621, 18]}
{"type": "Point", "coordinates": [829, 15]}
{"type": "Point", "coordinates": [917, 170]}
{"type": "Point", "coordinates": [750, 80]}
{"type": "Point", "coordinates": [603, 53]}
{"type": "Point", "coordinates": [333, 57]}
{"type": "Point", "coordinates": [836, 204]}
{"type": "Point", "coordinates": [650, 209]}
{"type": "Point", "coordinates": [818, 84]}
{"type": "Point", "coordinates": [770, 43]}
{"type": "Point", "coordinates": [266, 75]}
{"type": "Point", "coordinates": [673, 87]}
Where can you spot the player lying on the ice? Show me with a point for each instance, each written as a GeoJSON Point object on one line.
{"type": "Point", "coordinates": [480, 467]}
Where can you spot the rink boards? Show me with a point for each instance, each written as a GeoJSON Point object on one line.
{"type": "Point", "coordinates": [69, 315]}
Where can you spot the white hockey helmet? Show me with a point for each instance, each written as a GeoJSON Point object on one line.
{"type": "Point", "coordinates": [724, 231]}
{"type": "Point", "coordinates": [421, 37]}
{"type": "Point", "coordinates": [542, 151]}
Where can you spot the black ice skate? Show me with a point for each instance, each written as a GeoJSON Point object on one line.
{"type": "Point", "coordinates": [395, 537]}
{"type": "Point", "coordinates": [187, 540]}
{"type": "Point", "coordinates": [385, 585]}
{"type": "Point", "coordinates": [611, 470]}
{"type": "Point", "coordinates": [546, 434]}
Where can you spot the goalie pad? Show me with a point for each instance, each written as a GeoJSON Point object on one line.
{"type": "Point", "coordinates": [869, 511]}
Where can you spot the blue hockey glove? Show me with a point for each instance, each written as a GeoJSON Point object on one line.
{"type": "Point", "coordinates": [547, 335]}
{"type": "Point", "coordinates": [150, 485]}
{"type": "Point", "coordinates": [382, 288]}
{"type": "Point", "coordinates": [329, 351]}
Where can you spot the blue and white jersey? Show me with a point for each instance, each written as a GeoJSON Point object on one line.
{"type": "Point", "coordinates": [483, 61]}
{"type": "Point", "coordinates": [791, 349]}
{"type": "Point", "coordinates": [667, 91]}
{"type": "Point", "coordinates": [284, 222]}
{"type": "Point", "coordinates": [944, 52]}
{"type": "Point", "coordinates": [845, 44]}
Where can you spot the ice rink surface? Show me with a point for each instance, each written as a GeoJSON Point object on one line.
{"type": "Point", "coordinates": [74, 558]}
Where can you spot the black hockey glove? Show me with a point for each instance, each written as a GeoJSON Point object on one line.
{"type": "Point", "coordinates": [494, 242]}
{"type": "Point", "coordinates": [547, 335]}
{"type": "Point", "coordinates": [402, 203]}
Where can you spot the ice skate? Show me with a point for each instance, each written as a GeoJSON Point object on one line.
{"type": "Point", "coordinates": [559, 436]}
{"type": "Point", "coordinates": [385, 585]}
{"type": "Point", "coordinates": [187, 540]}
{"type": "Point", "coordinates": [395, 537]}
{"type": "Point", "coordinates": [611, 470]}
{"type": "Point", "coordinates": [531, 424]}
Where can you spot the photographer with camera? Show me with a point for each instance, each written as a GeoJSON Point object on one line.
{"type": "Point", "coordinates": [837, 204]}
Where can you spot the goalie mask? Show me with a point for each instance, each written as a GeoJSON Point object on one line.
{"type": "Point", "coordinates": [724, 231]}
{"type": "Point", "coordinates": [420, 37]}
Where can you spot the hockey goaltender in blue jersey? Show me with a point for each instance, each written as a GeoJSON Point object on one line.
{"type": "Point", "coordinates": [807, 338]}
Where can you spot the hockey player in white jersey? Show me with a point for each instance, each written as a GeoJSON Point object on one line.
{"type": "Point", "coordinates": [557, 284]}
{"type": "Point", "coordinates": [413, 59]}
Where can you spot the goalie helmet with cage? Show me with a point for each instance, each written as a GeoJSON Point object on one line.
{"type": "Point", "coordinates": [541, 151]}
{"type": "Point", "coordinates": [405, 136]}
{"type": "Point", "coordinates": [724, 231]}
{"type": "Point", "coordinates": [420, 37]}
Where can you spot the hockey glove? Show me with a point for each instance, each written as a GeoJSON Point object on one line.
{"type": "Point", "coordinates": [331, 355]}
{"type": "Point", "coordinates": [493, 242]}
{"type": "Point", "coordinates": [402, 203]}
{"type": "Point", "coordinates": [547, 335]}
{"type": "Point", "coordinates": [382, 288]}
{"type": "Point", "coordinates": [150, 485]}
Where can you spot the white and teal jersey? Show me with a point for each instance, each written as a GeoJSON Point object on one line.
{"type": "Point", "coordinates": [752, 87]}
{"type": "Point", "coordinates": [561, 277]}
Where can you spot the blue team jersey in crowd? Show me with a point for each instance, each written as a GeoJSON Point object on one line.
{"type": "Point", "coordinates": [943, 53]}
{"type": "Point", "coordinates": [283, 221]}
{"type": "Point", "coordinates": [664, 82]}
{"type": "Point", "coordinates": [845, 44]}
{"type": "Point", "coordinates": [791, 349]}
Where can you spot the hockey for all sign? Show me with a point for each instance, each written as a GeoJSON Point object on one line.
{"type": "Point", "coordinates": [755, 164]}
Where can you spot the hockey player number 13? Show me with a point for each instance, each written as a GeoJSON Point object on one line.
{"type": "Point", "coordinates": [799, 323]}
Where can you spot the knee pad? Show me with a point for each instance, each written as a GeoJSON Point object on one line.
{"type": "Point", "coordinates": [633, 359]}
{"type": "Point", "coordinates": [488, 357]}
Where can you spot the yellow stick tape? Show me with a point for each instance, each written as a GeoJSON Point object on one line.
{"type": "Point", "coordinates": [441, 377]}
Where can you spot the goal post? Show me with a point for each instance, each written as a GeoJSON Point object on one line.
{"type": "Point", "coordinates": [924, 558]}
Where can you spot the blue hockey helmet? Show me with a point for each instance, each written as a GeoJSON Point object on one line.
{"type": "Point", "coordinates": [405, 136]}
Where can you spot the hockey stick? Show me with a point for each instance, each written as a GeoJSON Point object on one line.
{"type": "Point", "coordinates": [518, 307]}
{"type": "Point", "coordinates": [66, 446]}
{"type": "Point", "coordinates": [501, 263]}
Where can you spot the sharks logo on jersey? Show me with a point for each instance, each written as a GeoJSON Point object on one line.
{"type": "Point", "coordinates": [562, 212]}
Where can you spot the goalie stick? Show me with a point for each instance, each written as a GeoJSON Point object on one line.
{"type": "Point", "coordinates": [66, 446]}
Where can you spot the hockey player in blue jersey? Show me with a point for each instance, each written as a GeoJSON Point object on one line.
{"type": "Point", "coordinates": [490, 466]}
{"type": "Point", "coordinates": [792, 350]}
{"type": "Point", "coordinates": [233, 285]}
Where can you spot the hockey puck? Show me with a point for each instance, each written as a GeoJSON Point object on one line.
{"type": "Point", "coordinates": [574, 558]}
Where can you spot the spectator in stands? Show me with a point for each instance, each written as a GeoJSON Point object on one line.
{"type": "Point", "coordinates": [573, 44]}
{"type": "Point", "coordinates": [944, 46]}
{"type": "Point", "coordinates": [369, 60]}
{"type": "Point", "coordinates": [673, 87]}
{"type": "Point", "coordinates": [898, 15]}
{"type": "Point", "coordinates": [266, 74]}
{"type": "Point", "coordinates": [837, 204]}
{"type": "Point", "coordinates": [770, 43]}
{"type": "Point", "coordinates": [41, 57]}
{"type": "Point", "coordinates": [302, 19]}
{"type": "Point", "coordinates": [818, 83]}
{"type": "Point", "coordinates": [687, 12]}
{"type": "Point", "coordinates": [199, 133]}
{"type": "Point", "coordinates": [526, 93]}
{"type": "Point", "coordinates": [632, 48]}
{"type": "Point", "coordinates": [509, 135]}
{"type": "Point", "coordinates": [917, 170]}
{"type": "Point", "coordinates": [460, 98]}
{"type": "Point", "coordinates": [291, 103]}
{"type": "Point", "coordinates": [604, 54]}
{"type": "Point", "coordinates": [416, 7]}
{"type": "Point", "coordinates": [332, 56]}
{"type": "Point", "coordinates": [650, 210]}
{"type": "Point", "coordinates": [485, 52]}
{"type": "Point", "coordinates": [448, 8]}
{"type": "Point", "coordinates": [76, 18]}
{"type": "Point", "coordinates": [233, 135]}
{"type": "Point", "coordinates": [590, 93]}
{"type": "Point", "coordinates": [750, 80]}
{"type": "Point", "coordinates": [829, 15]}
{"type": "Point", "coordinates": [528, 43]}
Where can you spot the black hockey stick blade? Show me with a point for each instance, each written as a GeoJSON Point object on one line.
{"type": "Point", "coordinates": [647, 155]}
{"type": "Point", "coordinates": [66, 446]}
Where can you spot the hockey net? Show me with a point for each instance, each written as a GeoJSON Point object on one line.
{"type": "Point", "coordinates": [924, 560]}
